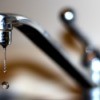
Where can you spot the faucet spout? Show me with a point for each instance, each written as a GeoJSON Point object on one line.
{"type": "Point", "coordinates": [42, 39]}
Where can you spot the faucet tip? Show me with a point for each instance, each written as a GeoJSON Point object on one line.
{"type": "Point", "coordinates": [5, 30]}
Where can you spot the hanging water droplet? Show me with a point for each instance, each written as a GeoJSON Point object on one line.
{"type": "Point", "coordinates": [5, 62]}
{"type": "Point", "coordinates": [5, 85]}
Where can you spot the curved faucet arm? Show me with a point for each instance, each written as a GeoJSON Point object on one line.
{"type": "Point", "coordinates": [42, 39]}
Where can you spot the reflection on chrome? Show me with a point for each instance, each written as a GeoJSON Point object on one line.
{"type": "Point", "coordinates": [1, 21]}
{"type": "Point", "coordinates": [95, 71]}
{"type": "Point", "coordinates": [69, 15]}
{"type": "Point", "coordinates": [95, 93]}
{"type": "Point", "coordinates": [95, 76]}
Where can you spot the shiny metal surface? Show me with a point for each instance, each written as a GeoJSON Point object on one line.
{"type": "Point", "coordinates": [5, 30]}
{"type": "Point", "coordinates": [42, 39]}
{"type": "Point", "coordinates": [91, 94]}
{"type": "Point", "coordinates": [91, 56]}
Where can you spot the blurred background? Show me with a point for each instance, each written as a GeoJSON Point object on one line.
{"type": "Point", "coordinates": [30, 71]}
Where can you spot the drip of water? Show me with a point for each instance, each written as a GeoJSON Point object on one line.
{"type": "Point", "coordinates": [5, 61]}
{"type": "Point", "coordinates": [5, 85]}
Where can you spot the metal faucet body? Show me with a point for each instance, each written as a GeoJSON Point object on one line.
{"type": "Point", "coordinates": [5, 30]}
{"type": "Point", "coordinates": [91, 55]}
{"type": "Point", "coordinates": [42, 39]}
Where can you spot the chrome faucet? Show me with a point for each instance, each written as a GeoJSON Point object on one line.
{"type": "Point", "coordinates": [42, 39]}
{"type": "Point", "coordinates": [91, 55]}
{"type": "Point", "coordinates": [5, 30]}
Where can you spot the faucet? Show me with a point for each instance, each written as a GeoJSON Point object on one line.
{"type": "Point", "coordinates": [91, 55]}
{"type": "Point", "coordinates": [5, 30]}
{"type": "Point", "coordinates": [42, 39]}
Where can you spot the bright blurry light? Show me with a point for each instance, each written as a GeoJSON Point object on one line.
{"type": "Point", "coordinates": [95, 74]}
{"type": "Point", "coordinates": [1, 21]}
{"type": "Point", "coordinates": [69, 15]}
{"type": "Point", "coordinates": [96, 77]}
{"type": "Point", "coordinates": [95, 65]}
{"type": "Point", "coordinates": [20, 17]}
{"type": "Point", "coordinates": [95, 93]}
{"type": "Point", "coordinates": [1, 17]}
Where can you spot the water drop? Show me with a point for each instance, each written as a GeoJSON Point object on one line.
{"type": "Point", "coordinates": [5, 85]}
{"type": "Point", "coordinates": [5, 62]}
